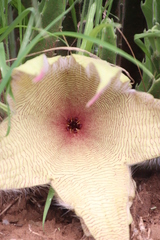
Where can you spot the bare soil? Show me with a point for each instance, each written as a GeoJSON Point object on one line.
{"type": "Point", "coordinates": [21, 214]}
{"type": "Point", "coordinates": [21, 217]}
{"type": "Point", "coordinates": [146, 208]}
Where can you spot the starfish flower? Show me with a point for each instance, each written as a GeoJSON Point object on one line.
{"type": "Point", "coordinates": [77, 125]}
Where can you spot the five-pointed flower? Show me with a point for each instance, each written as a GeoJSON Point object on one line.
{"type": "Point", "coordinates": [77, 124]}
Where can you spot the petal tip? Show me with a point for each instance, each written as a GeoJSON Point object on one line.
{"type": "Point", "coordinates": [43, 71]}
{"type": "Point", "coordinates": [93, 100]}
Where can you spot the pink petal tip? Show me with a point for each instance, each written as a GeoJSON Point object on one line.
{"type": "Point", "coordinates": [43, 71]}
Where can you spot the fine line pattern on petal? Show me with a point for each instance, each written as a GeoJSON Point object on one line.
{"type": "Point", "coordinates": [82, 152]}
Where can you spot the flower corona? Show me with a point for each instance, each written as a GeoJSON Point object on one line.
{"type": "Point", "coordinates": [73, 125]}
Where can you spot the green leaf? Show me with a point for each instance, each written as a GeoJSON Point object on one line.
{"type": "Point", "coordinates": [157, 11]}
{"type": "Point", "coordinates": [108, 35]}
{"type": "Point", "coordinates": [89, 24]}
{"type": "Point", "coordinates": [3, 65]}
{"type": "Point", "coordinates": [27, 34]}
{"type": "Point", "coordinates": [47, 204]}
{"type": "Point", "coordinates": [146, 82]}
{"type": "Point", "coordinates": [45, 14]}
{"type": "Point", "coordinates": [15, 22]}
{"type": "Point", "coordinates": [3, 107]}
{"type": "Point", "coordinates": [73, 12]}
{"type": "Point", "coordinates": [140, 44]}
{"type": "Point", "coordinates": [17, 4]}
{"type": "Point", "coordinates": [98, 15]}
{"type": "Point", "coordinates": [95, 32]}
{"type": "Point", "coordinates": [147, 9]}
{"type": "Point", "coordinates": [155, 89]}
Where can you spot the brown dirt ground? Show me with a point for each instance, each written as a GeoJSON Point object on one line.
{"type": "Point", "coordinates": [21, 218]}
{"type": "Point", "coordinates": [21, 214]}
{"type": "Point", "coordinates": [146, 208]}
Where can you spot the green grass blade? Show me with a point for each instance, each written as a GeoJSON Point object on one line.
{"type": "Point", "coordinates": [2, 14]}
{"type": "Point", "coordinates": [81, 22]}
{"type": "Point", "coordinates": [89, 24]}
{"type": "Point", "coordinates": [98, 15]}
{"type": "Point", "coordinates": [15, 22]}
{"type": "Point", "coordinates": [11, 36]}
{"type": "Point", "coordinates": [3, 107]}
{"type": "Point", "coordinates": [47, 204]}
{"type": "Point", "coordinates": [27, 34]}
{"type": "Point", "coordinates": [3, 29]}
{"type": "Point", "coordinates": [95, 32]}
{"type": "Point", "coordinates": [19, 13]}
{"type": "Point", "coordinates": [18, 5]}
{"type": "Point", "coordinates": [142, 45]}
{"type": "Point", "coordinates": [157, 11]}
{"type": "Point", "coordinates": [73, 12]}
{"type": "Point", "coordinates": [109, 8]}
{"type": "Point", "coordinates": [3, 65]}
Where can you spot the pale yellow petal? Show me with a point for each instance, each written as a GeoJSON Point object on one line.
{"type": "Point", "coordinates": [88, 169]}
{"type": "Point", "coordinates": [97, 190]}
{"type": "Point", "coordinates": [41, 114]}
{"type": "Point", "coordinates": [39, 149]}
{"type": "Point", "coordinates": [105, 72]}
{"type": "Point", "coordinates": [35, 65]}
{"type": "Point", "coordinates": [23, 159]}
{"type": "Point", "coordinates": [134, 124]}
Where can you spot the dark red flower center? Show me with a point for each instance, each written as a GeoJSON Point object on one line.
{"type": "Point", "coordinates": [73, 125]}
